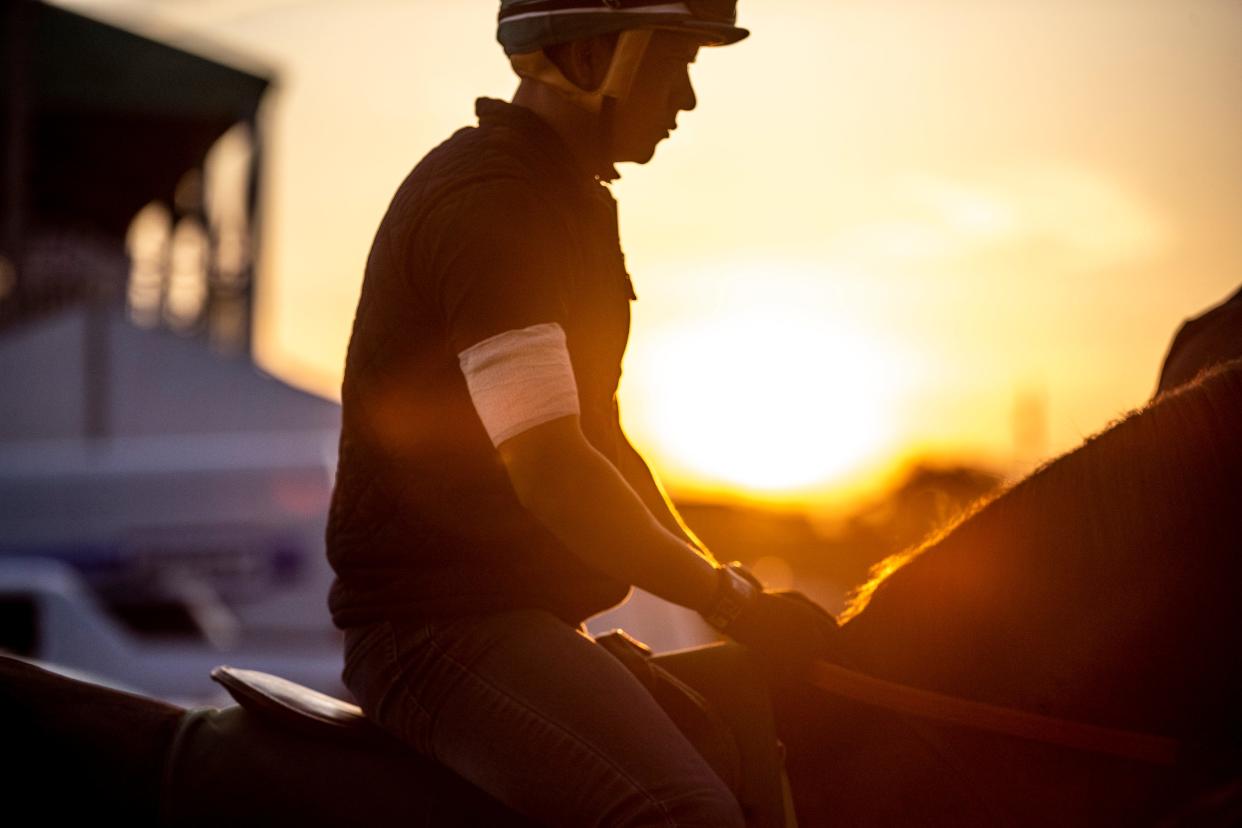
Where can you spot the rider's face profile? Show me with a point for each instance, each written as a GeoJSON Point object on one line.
{"type": "Point", "coordinates": [661, 90]}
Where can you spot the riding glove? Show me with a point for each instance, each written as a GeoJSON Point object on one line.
{"type": "Point", "coordinates": [784, 627]}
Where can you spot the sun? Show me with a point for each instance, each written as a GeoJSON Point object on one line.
{"type": "Point", "coordinates": [762, 401]}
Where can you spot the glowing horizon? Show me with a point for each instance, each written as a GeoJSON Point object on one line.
{"type": "Point", "coordinates": [947, 212]}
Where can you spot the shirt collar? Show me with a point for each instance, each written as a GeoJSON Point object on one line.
{"type": "Point", "coordinates": [494, 112]}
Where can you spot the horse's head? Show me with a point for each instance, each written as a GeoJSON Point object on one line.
{"type": "Point", "coordinates": [1102, 588]}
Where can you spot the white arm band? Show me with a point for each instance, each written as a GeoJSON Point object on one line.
{"type": "Point", "coordinates": [519, 379]}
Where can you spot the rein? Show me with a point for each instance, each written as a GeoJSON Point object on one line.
{"type": "Point", "coordinates": [928, 704]}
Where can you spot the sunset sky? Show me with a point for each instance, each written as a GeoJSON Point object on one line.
{"type": "Point", "coordinates": [888, 225]}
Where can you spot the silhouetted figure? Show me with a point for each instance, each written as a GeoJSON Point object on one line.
{"type": "Point", "coordinates": [1213, 337]}
{"type": "Point", "coordinates": [487, 501]}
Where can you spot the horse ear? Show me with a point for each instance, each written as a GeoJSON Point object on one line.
{"type": "Point", "coordinates": [1213, 337]}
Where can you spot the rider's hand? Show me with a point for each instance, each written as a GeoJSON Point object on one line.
{"type": "Point", "coordinates": [784, 627]}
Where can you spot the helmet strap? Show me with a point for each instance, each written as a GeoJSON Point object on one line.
{"type": "Point", "coordinates": [626, 59]}
{"type": "Point", "coordinates": [608, 134]}
{"type": "Point", "coordinates": [618, 80]}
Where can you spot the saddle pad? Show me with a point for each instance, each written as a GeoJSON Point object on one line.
{"type": "Point", "coordinates": [286, 703]}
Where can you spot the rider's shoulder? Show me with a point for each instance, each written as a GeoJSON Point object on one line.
{"type": "Point", "coordinates": [490, 154]}
{"type": "Point", "coordinates": [432, 195]}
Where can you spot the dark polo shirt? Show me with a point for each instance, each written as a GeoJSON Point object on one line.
{"type": "Point", "coordinates": [497, 228]}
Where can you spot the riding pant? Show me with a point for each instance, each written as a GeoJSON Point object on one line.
{"type": "Point", "coordinates": [535, 713]}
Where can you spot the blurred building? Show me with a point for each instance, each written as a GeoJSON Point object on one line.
{"type": "Point", "coordinates": [140, 446]}
{"type": "Point", "coordinates": [100, 123]}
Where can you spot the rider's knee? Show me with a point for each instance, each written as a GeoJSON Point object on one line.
{"type": "Point", "coordinates": [709, 808]}
{"type": "Point", "coordinates": [706, 807]}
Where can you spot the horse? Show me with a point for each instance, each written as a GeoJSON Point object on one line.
{"type": "Point", "coordinates": [1103, 589]}
{"type": "Point", "coordinates": [77, 751]}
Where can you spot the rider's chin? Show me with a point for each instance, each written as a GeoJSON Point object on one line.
{"type": "Point", "coordinates": [638, 154]}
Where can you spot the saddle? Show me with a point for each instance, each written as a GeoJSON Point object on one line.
{"type": "Point", "coordinates": [292, 706]}
{"type": "Point", "coordinates": [714, 694]}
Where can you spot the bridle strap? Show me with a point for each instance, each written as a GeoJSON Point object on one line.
{"type": "Point", "coordinates": [928, 704]}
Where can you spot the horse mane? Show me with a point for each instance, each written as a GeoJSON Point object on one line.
{"type": "Point", "coordinates": [1142, 521]}
{"type": "Point", "coordinates": [859, 597]}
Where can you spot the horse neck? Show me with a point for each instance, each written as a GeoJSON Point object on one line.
{"type": "Point", "coordinates": [1124, 638]}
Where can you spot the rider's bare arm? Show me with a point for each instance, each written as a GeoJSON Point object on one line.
{"type": "Point", "coordinates": [645, 484]}
{"type": "Point", "coordinates": [524, 390]}
{"type": "Point", "coordinates": [586, 502]}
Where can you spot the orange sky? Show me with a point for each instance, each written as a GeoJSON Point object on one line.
{"type": "Point", "coordinates": [885, 222]}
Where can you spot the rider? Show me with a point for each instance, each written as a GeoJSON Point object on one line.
{"type": "Point", "coordinates": [486, 499]}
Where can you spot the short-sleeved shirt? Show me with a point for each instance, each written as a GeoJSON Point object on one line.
{"type": "Point", "coordinates": [498, 228]}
